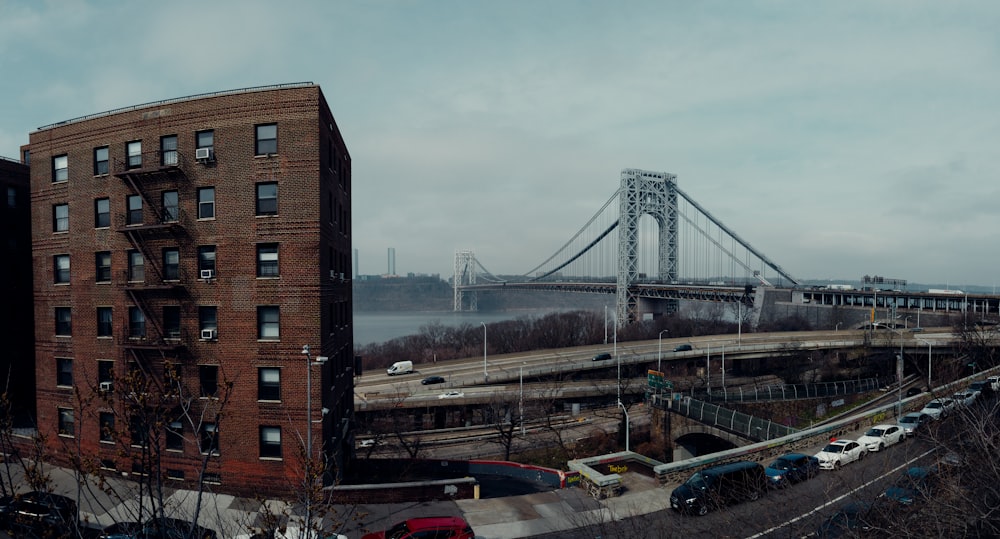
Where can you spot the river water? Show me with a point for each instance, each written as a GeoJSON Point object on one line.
{"type": "Point", "coordinates": [378, 327]}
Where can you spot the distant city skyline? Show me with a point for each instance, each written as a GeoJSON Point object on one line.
{"type": "Point", "coordinates": [839, 138]}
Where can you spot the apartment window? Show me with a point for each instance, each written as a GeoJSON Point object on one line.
{"type": "Point", "coordinates": [266, 139]}
{"type": "Point", "coordinates": [268, 323]}
{"type": "Point", "coordinates": [107, 424]}
{"type": "Point", "coordinates": [102, 213]}
{"type": "Point", "coordinates": [171, 264]}
{"type": "Point", "coordinates": [134, 210]}
{"type": "Point", "coordinates": [102, 266]}
{"type": "Point", "coordinates": [176, 475]}
{"type": "Point", "coordinates": [206, 203]}
{"type": "Point", "coordinates": [104, 323]}
{"type": "Point", "coordinates": [208, 380]}
{"type": "Point", "coordinates": [11, 197]}
{"type": "Point", "coordinates": [136, 323]}
{"type": "Point", "coordinates": [171, 208]}
{"type": "Point", "coordinates": [175, 435]}
{"type": "Point", "coordinates": [136, 266]}
{"type": "Point", "coordinates": [270, 442]}
{"type": "Point", "coordinates": [105, 371]}
{"type": "Point", "coordinates": [267, 198]}
{"type": "Point", "coordinates": [269, 384]}
{"type": "Point", "coordinates": [172, 321]}
{"type": "Point", "coordinates": [208, 319]}
{"type": "Point", "coordinates": [134, 151]}
{"type": "Point", "coordinates": [61, 269]}
{"type": "Point", "coordinates": [60, 168]}
{"type": "Point", "coordinates": [267, 260]}
{"type": "Point", "coordinates": [64, 372]}
{"type": "Point", "coordinates": [100, 161]}
{"type": "Point", "coordinates": [66, 422]}
{"type": "Point", "coordinates": [64, 321]}
{"type": "Point", "coordinates": [27, 158]}
{"type": "Point", "coordinates": [209, 437]}
{"type": "Point", "coordinates": [168, 150]}
{"type": "Point", "coordinates": [60, 218]}
{"type": "Point", "coordinates": [206, 258]}
{"type": "Point", "coordinates": [138, 433]}
{"type": "Point", "coordinates": [205, 139]}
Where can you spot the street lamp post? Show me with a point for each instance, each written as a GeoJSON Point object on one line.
{"type": "Point", "coordinates": [520, 401]}
{"type": "Point", "coordinates": [659, 353]}
{"type": "Point", "coordinates": [928, 343]}
{"type": "Point", "coordinates": [899, 372]}
{"type": "Point", "coordinates": [308, 464]}
{"type": "Point", "coordinates": [739, 325]}
{"type": "Point", "coordinates": [627, 424]}
{"type": "Point", "coordinates": [605, 324]}
{"type": "Point", "coordinates": [486, 375]}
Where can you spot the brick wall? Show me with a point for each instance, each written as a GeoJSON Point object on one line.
{"type": "Point", "coordinates": [313, 183]}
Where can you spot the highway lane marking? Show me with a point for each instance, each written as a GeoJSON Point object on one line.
{"type": "Point", "coordinates": [841, 497]}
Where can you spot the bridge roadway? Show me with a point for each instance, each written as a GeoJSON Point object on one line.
{"type": "Point", "coordinates": [377, 391]}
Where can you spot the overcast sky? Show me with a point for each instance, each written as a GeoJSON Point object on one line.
{"type": "Point", "coordinates": [839, 138]}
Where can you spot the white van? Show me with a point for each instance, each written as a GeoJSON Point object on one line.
{"type": "Point", "coordinates": [400, 367]}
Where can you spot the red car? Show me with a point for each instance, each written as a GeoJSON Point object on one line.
{"type": "Point", "coordinates": [442, 527]}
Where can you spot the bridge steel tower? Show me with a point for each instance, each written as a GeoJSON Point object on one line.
{"type": "Point", "coordinates": [645, 192]}
{"type": "Point", "coordinates": [465, 274]}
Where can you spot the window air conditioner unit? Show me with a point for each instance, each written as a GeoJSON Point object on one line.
{"type": "Point", "coordinates": [105, 387]}
{"type": "Point", "coordinates": [209, 334]}
{"type": "Point", "coordinates": [203, 154]}
{"type": "Point", "coordinates": [333, 274]}
{"type": "Point", "coordinates": [207, 274]}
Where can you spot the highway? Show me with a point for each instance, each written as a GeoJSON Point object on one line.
{"type": "Point", "coordinates": [376, 390]}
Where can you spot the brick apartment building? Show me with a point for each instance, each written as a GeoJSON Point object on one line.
{"type": "Point", "coordinates": [17, 378]}
{"type": "Point", "coordinates": [185, 253]}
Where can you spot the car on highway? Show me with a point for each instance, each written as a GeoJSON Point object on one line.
{"type": "Point", "coordinates": [451, 395]}
{"type": "Point", "coordinates": [432, 380]}
{"type": "Point", "coordinates": [879, 437]}
{"type": "Point", "coordinates": [683, 348]}
{"type": "Point", "coordinates": [603, 356]}
{"type": "Point", "coordinates": [721, 485]}
{"type": "Point", "coordinates": [913, 422]}
{"type": "Point", "coordinates": [964, 398]}
{"type": "Point", "coordinates": [938, 408]}
{"type": "Point", "coordinates": [840, 452]}
{"type": "Point", "coordinates": [426, 527]}
{"type": "Point", "coordinates": [791, 468]}
{"type": "Point", "coordinates": [916, 484]}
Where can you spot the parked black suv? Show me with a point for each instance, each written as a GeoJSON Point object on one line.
{"type": "Point", "coordinates": [718, 486]}
{"type": "Point", "coordinates": [38, 513]}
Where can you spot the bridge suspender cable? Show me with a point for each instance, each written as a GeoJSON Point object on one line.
{"type": "Point", "coordinates": [613, 198]}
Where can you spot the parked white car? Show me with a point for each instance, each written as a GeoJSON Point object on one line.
{"type": "Point", "coordinates": [881, 436]}
{"type": "Point", "coordinates": [938, 408]}
{"type": "Point", "coordinates": [994, 382]}
{"type": "Point", "coordinates": [840, 452]}
{"type": "Point", "coordinates": [964, 398]}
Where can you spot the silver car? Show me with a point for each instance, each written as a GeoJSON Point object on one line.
{"type": "Point", "coordinates": [913, 422]}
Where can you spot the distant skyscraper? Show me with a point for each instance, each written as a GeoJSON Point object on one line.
{"type": "Point", "coordinates": [392, 261]}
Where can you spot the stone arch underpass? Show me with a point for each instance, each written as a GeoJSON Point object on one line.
{"type": "Point", "coordinates": [699, 439]}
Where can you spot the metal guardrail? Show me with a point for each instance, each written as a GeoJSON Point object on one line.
{"type": "Point", "coordinates": [748, 426]}
{"type": "Point", "coordinates": [802, 391]}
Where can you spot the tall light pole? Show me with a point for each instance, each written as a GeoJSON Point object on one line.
{"type": "Point", "coordinates": [309, 363]}
{"type": "Point", "coordinates": [899, 372]}
{"type": "Point", "coordinates": [928, 343]}
{"type": "Point", "coordinates": [309, 464]}
{"type": "Point", "coordinates": [486, 375]}
{"type": "Point", "coordinates": [659, 353]}
{"type": "Point", "coordinates": [520, 401]}
{"type": "Point", "coordinates": [627, 423]}
{"type": "Point", "coordinates": [605, 324]}
{"type": "Point", "coordinates": [739, 325]}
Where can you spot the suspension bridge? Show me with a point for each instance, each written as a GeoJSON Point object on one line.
{"type": "Point", "coordinates": [651, 245]}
